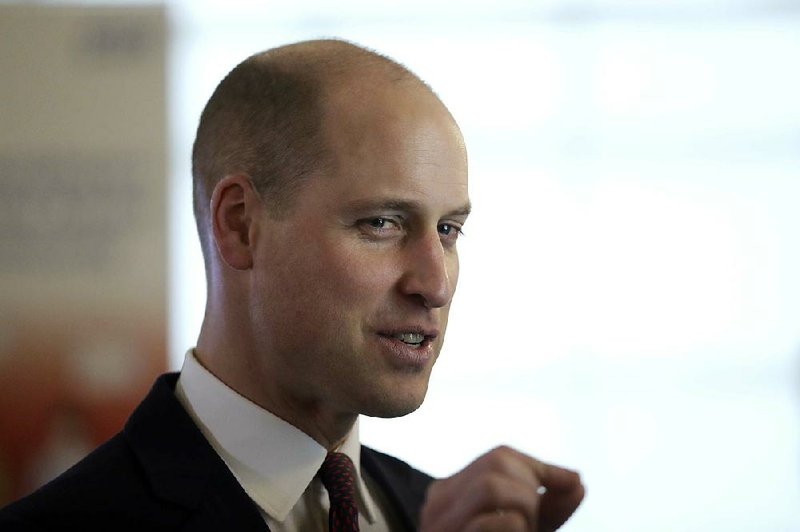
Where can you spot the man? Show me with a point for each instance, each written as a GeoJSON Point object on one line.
{"type": "Point", "coordinates": [330, 190]}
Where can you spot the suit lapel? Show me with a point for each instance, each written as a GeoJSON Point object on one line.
{"type": "Point", "coordinates": [183, 468]}
{"type": "Point", "coordinates": [404, 486]}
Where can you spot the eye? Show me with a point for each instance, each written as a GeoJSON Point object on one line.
{"type": "Point", "coordinates": [379, 226]}
{"type": "Point", "coordinates": [378, 223]}
{"type": "Point", "coordinates": [450, 231]}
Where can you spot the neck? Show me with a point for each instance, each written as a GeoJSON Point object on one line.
{"type": "Point", "coordinates": [255, 379]}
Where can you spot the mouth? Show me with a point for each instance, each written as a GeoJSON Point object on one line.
{"type": "Point", "coordinates": [409, 346]}
{"type": "Point", "coordinates": [412, 337]}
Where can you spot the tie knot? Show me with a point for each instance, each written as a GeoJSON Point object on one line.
{"type": "Point", "coordinates": [338, 476]}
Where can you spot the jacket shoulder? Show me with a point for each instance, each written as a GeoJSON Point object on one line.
{"type": "Point", "coordinates": [405, 486]}
{"type": "Point", "coordinates": [394, 467]}
{"type": "Point", "coordinates": [105, 490]}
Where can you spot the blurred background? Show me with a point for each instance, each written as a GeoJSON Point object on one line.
{"type": "Point", "coordinates": [629, 303]}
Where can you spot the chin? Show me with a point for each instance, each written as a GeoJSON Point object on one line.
{"type": "Point", "coordinates": [394, 403]}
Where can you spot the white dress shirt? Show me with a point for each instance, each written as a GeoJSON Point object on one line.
{"type": "Point", "coordinates": [273, 461]}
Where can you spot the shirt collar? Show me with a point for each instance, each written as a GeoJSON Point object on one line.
{"type": "Point", "coordinates": [273, 460]}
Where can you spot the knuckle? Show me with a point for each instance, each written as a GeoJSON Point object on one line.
{"type": "Point", "coordinates": [502, 451]}
{"type": "Point", "coordinates": [501, 459]}
{"type": "Point", "coordinates": [496, 459]}
{"type": "Point", "coordinates": [493, 486]}
{"type": "Point", "coordinates": [505, 449]}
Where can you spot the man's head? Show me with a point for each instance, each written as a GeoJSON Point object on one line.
{"type": "Point", "coordinates": [331, 184]}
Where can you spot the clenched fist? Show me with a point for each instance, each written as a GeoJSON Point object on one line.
{"type": "Point", "coordinates": [503, 490]}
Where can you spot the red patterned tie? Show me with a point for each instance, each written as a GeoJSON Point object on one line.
{"type": "Point", "coordinates": [338, 477]}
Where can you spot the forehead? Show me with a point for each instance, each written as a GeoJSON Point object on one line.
{"type": "Point", "coordinates": [395, 141]}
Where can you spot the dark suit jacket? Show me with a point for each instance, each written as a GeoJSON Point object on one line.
{"type": "Point", "coordinates": [160, 473]}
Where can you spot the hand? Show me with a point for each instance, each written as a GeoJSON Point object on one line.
{"type": "Point", "coordinates": [503, 490]}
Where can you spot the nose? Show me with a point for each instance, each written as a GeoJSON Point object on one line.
{"type": "Point", "coordinates": [431, 272]}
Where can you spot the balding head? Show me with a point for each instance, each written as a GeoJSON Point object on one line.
{"type": "Point", "coordinates": [264, 120]}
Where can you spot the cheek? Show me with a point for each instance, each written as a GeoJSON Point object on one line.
{"type": "Point", "coordinates": [339, 276]}
{"type": "Point", "coordinates": [357, 274]}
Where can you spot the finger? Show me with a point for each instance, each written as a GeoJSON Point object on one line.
{"type": "Point", "coordinates": [555, 478]}
{"type": "Point", "coordinates": [532, 471]}
{"type": "Point", "coordinates": [504, 478]}
{"type": "Point", "coordinates": [502, 461]}
{"type": "Point", "coordinates": [486, 493]}
{"type": "Point", "coordinates": [514, 463]}
{"type": "Point", "coordinates": [562, 490]}
{"type": "Point", "coordinates": [498, 522]}
{"type": "Point", "coordinates": [557, 506]}
{"type": "Point", "coordinates": [562, 494]}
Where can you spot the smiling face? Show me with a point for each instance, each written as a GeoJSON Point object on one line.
{"type": "Point", "coordinates": [351, 289]}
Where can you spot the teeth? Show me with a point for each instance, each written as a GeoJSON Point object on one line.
{"type": "Point", "coordinates": [410, 338]}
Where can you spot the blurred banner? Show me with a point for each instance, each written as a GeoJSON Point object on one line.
{"type": "Point", "coordinates": [82, 229]}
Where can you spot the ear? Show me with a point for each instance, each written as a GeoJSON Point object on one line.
{"type": "Point", "coordinates": [233, 205]}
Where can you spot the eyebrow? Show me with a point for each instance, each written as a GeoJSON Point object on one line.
{"type": "Point", "coordinates": [401, 205]}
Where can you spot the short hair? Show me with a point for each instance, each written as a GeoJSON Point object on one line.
{"type": "Point", "coordinates": [264, 120]}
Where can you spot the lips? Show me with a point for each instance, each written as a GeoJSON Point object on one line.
{"type": "Point", "coordinates": [409, 346]}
